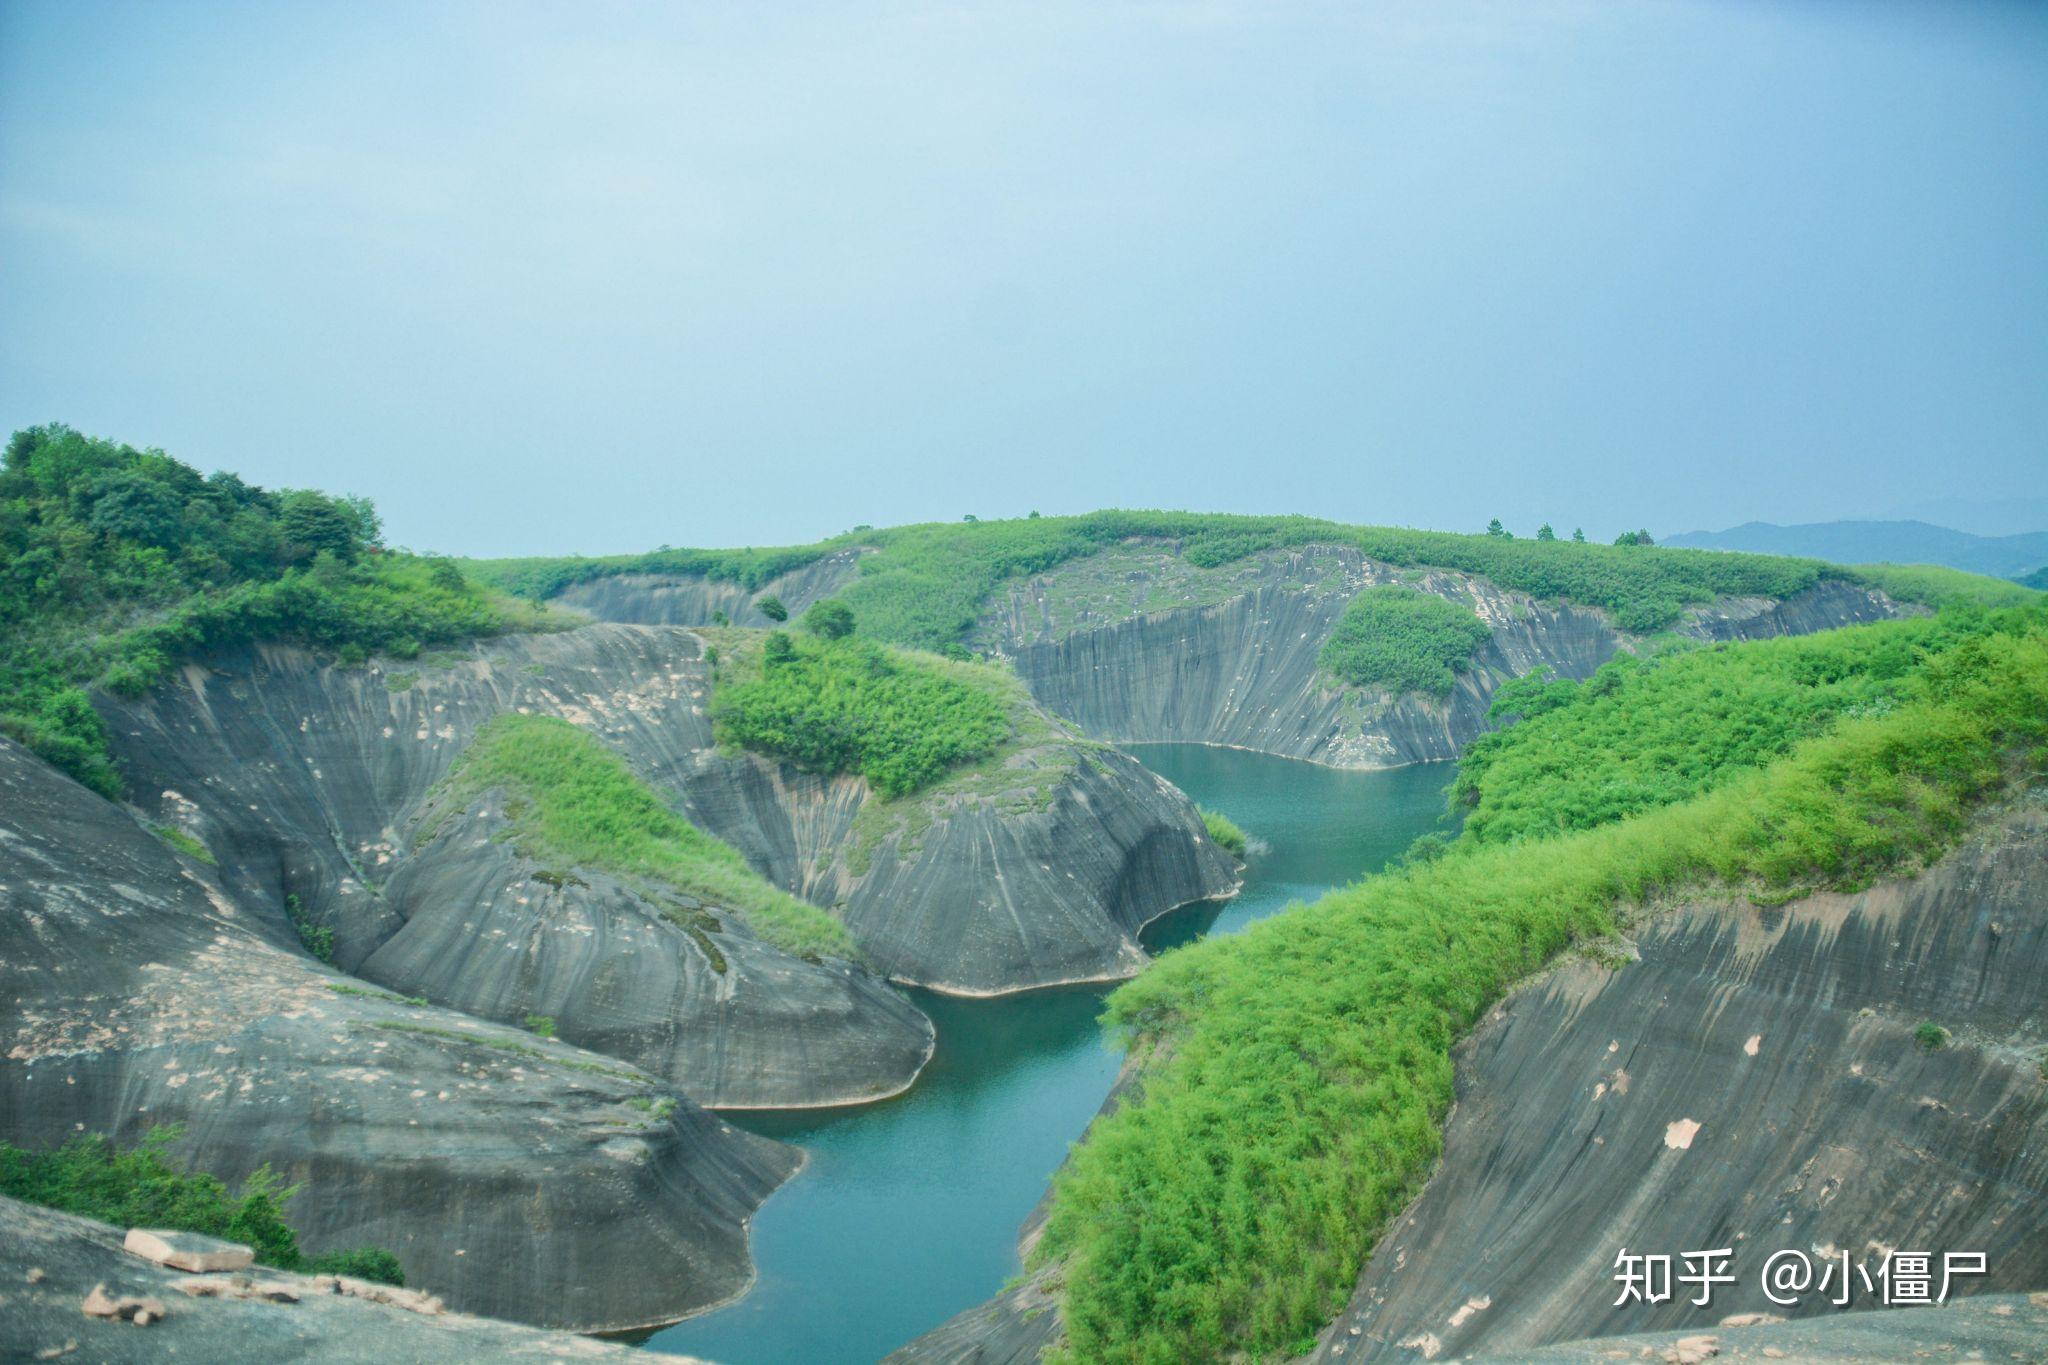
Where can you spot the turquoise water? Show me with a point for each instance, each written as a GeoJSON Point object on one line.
{"type": "Point", "coordinates": [908, 1211]}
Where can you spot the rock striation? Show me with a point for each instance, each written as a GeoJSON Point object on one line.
{"type": "Point", "coordinates": [513, 1176]}
{"type": "Point", "coordinates": [1145, 647]}
{"type": "Point", "coordinates": [1749, 1078]}
{"type": "Point", "coordinates": [690, 599]}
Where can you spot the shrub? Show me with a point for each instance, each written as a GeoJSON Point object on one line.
{"type": "Point", "coordinates": [91, 1177]}
{"type": "Point", "coordinates": [1224, 832]}
{"type": "Point", "coordinates": [772, 608]}
{"type": "Point", "coordinates": [846, 706]}
{"type": "Point", "coordinates": [541, 1025]}
{"type": "Point", "coordinates": [1931, 1035]}
{"type": "Point", "coordinates": [1403, 640]}
{"type": "Point", "coordinates": [829, 619]}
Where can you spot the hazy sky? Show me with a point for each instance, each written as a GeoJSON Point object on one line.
{"type": "Point", "coordinates": [586, 277]}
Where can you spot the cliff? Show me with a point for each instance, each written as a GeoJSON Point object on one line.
{"type": "Point", "coordinates": [1747, 1078]}
{"type": "Point", "coordinates": [683, 600]}
{"type": "Point", "coordinates": [1137, 644]}
{"type": "Point", "coordinates": [1751, 1079]}
{"type": "Point", "coordinates": [514, 1176]}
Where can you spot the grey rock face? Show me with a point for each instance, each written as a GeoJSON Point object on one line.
{"type": "Point", "coordinates": [50, 1262]}
{"type": "Point", "coordinates": [1241, 670]}
{"type": "Point", "coordinates": [309, 783]}
{"type": "Point", "coordinates": [1751, 1082]}
{"type": "Point", "coordinates": [514, 1176]}
{"type": "Point", "coordinates": [687, 600]}
{"type": "Point", "coordinates": [1787, 1037]}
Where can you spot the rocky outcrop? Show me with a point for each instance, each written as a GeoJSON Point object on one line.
{"type": "Point", "coordinates": [51, 1264]}
{"type": "Point", "coordinates": [1159, 650]}
{"type": "Point", "coordinates": [690, 599]}
{"type": "Point", "coordinates": [1751, 1080]}
{"type": "Point", "coordinates": [514, 1176]}
{"type": "Point", "coordinates": [309, 783]}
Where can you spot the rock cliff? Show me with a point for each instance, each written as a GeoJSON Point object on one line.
{"type": "Point", "coordinates": [1749, 1078]}
{"type": "Point", "coordinates": [689, 600]}
{"type": "Point", "coordinates": [1139, 645]}
{"type": "Point", "coordinates": [515, 1176]}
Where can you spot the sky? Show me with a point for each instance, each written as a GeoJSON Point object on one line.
{"type": "Point", "coordinates": [591, 278]}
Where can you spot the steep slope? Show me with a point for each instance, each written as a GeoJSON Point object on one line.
{"type": "Point", "coordinates": [1881, 542]}
{"type": "Point", "coordinates": [650, 599]}
{"type": "Point", "coordinates": [311, 782]}
{"type": "Point", "coordinates": [1748, 1079]}
{"type": "Point", "coordinates": [311, 785]}
{"type": "Point", "coordinates": [515, 1177]}
{"type": "Point", "coordinates": [1138, 644]}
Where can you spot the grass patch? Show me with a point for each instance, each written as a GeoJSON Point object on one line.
{"type": "Point", "coordinates": [1401, 640]}
{"type": "Point", "coordinates": [185, 843]}
{"type": "Point", "coordinates": [91, 1177]}
{"type": "Point", "coordinates": [1302, 1069]}
{"type": "Point", "coordinates": [1646, 732]}
{"type": "Point", "coordinates": [370, 993]}
{"type": "Point", "coordinates": [577, 802]}
{"type": "Point", "coordinates": [1224, 832]}
{"type": "Point", "coordinates": [317, 938]}
{"type": "Point", "coordinates": [505, 1045]}
{"type": "Point", "coordinates": [847, 706]}
{"type": "Point", "coordinates": [400, 682]}
{"type": "Point", "coordinates": [541, 1025]}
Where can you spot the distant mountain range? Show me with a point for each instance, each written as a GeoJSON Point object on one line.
{"type": "Point", "coordinates": [1882, 542]}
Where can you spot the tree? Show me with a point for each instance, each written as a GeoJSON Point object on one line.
{"type": "Point", "coordinates": [1578, 536]}
{"type": "Point", "coordinates": [1496, 530]}
{"type": "Point", "coordinates": [1634, 538]}
{"type": "Point", "coordinates": [313, 522]}
{"type": "Point", "coordinates": [719, 618]}
{"type": "Point", "coordinates": [1032, 517]}
{"type": "Point", "coordinates": [135, 507]}
{"type": "Point", "coordinates": [830, 619]}
{"type": "Point", "coordinates": [1544, 532]}
{"type": "Point", "coordinates": [778, 649]}
{"type": "Point", "coordinates": [970, 517]}
{"type": "Point", "coordinates": [772, 608]}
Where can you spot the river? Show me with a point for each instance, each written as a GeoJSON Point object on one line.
{"type": "Point", "coordinates": [908, 1210]}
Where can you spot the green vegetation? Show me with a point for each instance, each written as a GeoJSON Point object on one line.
{"type": "Point", "coordinates": [541, 1025]}
{"type": "Point", "coordinates": [369, 993]}
{"type": "Point", "coordinates": [1931, 1035]}
{"type": "Point", "coordinates": [575, 801]}
{"type": "Point", "coordinates": [1300, 1071]}
{"type": "Point", "coordinates": [1402, 640]}
{"type": "Point", "coordinates": [837, 705]}
{"type": "Point", "coordinates": [1938, 587]}
{"type": "Point", "coordinates": [507, 1045]}
{"type": "Point", "coordinates": [91, 1177]}
{"type": "Point", "coordinates": [1224, 832]}
{"type": "Point", "coordinates": [185, 844]}
{"type": "Point", "coordinates": [925, 585]}
{"type": "Point", "coordinates": [1646, 732]}
{"type": "Point", "coordinates": [115, 563]}
{"type": "Point", "coordinates": [317, 938]}
{"type": "Point", "coordinates": [2037, 580]}
{"type": "Point", "coordinates": [772, 608]}
{"type": "Point", "coordinates": [830, 619]}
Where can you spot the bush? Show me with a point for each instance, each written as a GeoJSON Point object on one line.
{"type": "Point", "coordinates": [772, 608]}
{"type": "Point", "coordinates": [1930, 1036]}
{"type": "Point", "coordinates": [365, 1263]}
{"type": "Point", "coordinates": [1402, 640]}
{"type": "Point", "coordinates": [846, 706]}
{"type": "Point", "coordinates": [829, 619]}
{"type": "Point", "coordinates": [91, 1177]}
{"type": "Point", "coordinates": [1223, 831]}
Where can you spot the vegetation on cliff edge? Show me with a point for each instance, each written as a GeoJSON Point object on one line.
{"type": "Point", "coordinates": [1302, 1069]}
{"type": "Point", "coordinates": [115, 563]}
{"type": "Point", "coordinates": [1401, 640]}
{"type": "Point", "coordinates": [575, 801]}
{"type": "Point", "coordinates": [91, 1177]}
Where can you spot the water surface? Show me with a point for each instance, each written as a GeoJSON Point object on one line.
{"type": "Point", "coordinates": [908, 1211]}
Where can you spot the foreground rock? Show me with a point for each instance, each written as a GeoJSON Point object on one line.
{"type": "Point", "coordinates": [52, 1265]}
{"type": "Point", "coordinates": [513, 1176]}
{"type": "Point", "coordinates": [1751, 1079]}
{"type": "Point", "coordinates": [1135, 644]}
{"type": "Point", "coordinates": [309, 783]}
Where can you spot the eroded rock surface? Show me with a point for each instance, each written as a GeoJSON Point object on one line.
{"type": "Point", "coordinates": [1752, 1081]}
{"type": "Point", "coordinates": [1137, 645]}
{"type": "Point", "coordinates": [517, 1177]}
{"type": "Point", "coordinates": [689, 600]}
{"type": "Point", "coordinates": [50, 1263]}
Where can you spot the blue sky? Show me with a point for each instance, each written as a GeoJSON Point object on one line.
{"type": "Point", "coordinates": [597, 277]}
